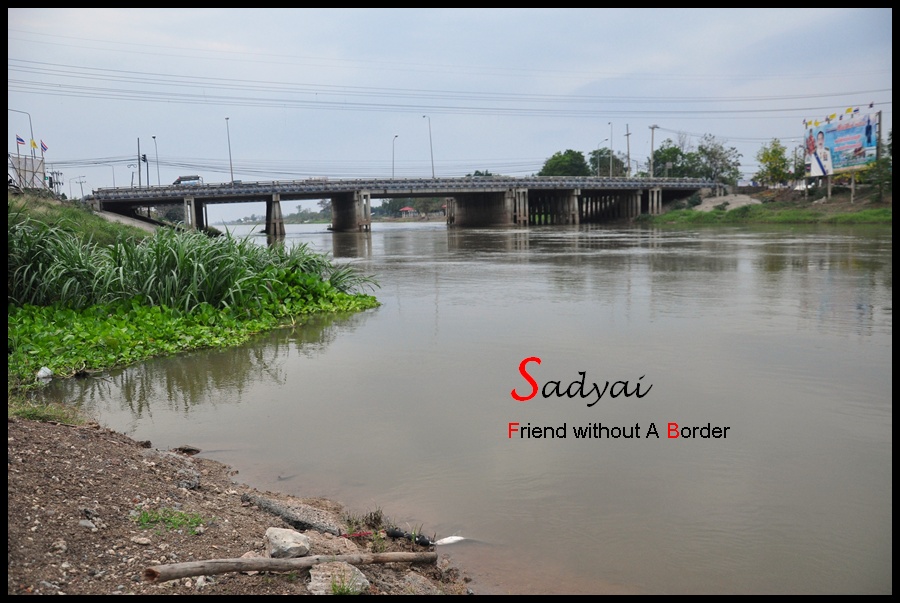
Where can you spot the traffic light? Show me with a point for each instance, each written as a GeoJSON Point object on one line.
{"type": "Point", "coordinates": [144, 158]}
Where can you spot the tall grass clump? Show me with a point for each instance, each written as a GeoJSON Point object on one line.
{"type": "Point", "coordinates": [48, 264]}
{"type": "Point", "coordinates": [74, 305]}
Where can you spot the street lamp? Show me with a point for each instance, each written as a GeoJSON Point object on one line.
{"type": "Point", "coordinates": [230, 164]}
{"type": "Point", "coordinates": [610, 149]}
{"type": "Point", "coordinates": [158, 181]}
{"type": "Point", "coordinates": [652, 132]}
{"type": "Point", "coordinates": [430, 145]}
{"type": "Point", "coordinates": [393, 147]}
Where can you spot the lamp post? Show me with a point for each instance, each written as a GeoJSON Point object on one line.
{"type": "Point", "coordinates": [393, 154]}
{"type": "Point", "coordinates": [230, 164]}
{"type": "Point", "coordinates": [158, 181]}
{"type": "Point", "coordinates": [610, 149]}
{"type": "Point", "coordinates": [430, 145]}
{"type": "Point", "coordinates": [652, 132]}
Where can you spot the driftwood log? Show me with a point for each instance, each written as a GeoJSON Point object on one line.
{"type": "Point", "coordinates": [173, 571]}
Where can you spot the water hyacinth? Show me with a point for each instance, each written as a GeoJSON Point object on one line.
{"type": "Point", "coordinates": [74, 305]}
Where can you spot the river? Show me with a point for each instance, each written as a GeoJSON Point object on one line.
{"type": "Point", "coordinates": [777, 340]}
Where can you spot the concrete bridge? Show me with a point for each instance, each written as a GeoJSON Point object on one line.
{"type": "Point", "coordinates": [470, 201]}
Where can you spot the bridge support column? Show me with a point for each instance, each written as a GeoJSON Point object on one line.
{"type": "Point", "coordinates": [634, 205]}
{"type": "Point", "coordinates": [571, 205]}
{"type": "Point", "coordinates": [485, 209]}
{"type": "Point", "coordinates": [194, 213]}
{"type": "Point", "coordinates": [451, 210]}
{"type": "Point", "coordinates": [274, 217]}
{"type": "Point", "coordinates": [351, 211]}
{"type": "Point", "coordinates": [517, 198]}
{"type": "Point", "coordinates": [655, 202]}
{"type": "Point", "coordinates": [189, 213]}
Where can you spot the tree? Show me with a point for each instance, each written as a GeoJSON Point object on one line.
{"type": "Point", "coordinates": [173, 214]}
{"type": "Point", "coordinates": [774, 164]}
{"type": "Point", "coordinates": [391, 207]}
{"type": "Point", "coordinates": [673, 161]}
{"type": "Point", "coordinates": [718, 163]}
{"type": "Point", "coordinates": [480, 174]}
{"type": "Point", "coordinates": [325, 205]}
{"type": "Point", "coordinates": [570, 163]}
{"type": "Point", "coordinates": [881, 172]}
{"type": "Point", "coordinates": [600, 163]}
{"type": "Point", "coordinates": [427, 205]}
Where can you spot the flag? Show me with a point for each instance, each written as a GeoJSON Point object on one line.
{"type": "Point", "coordinates": [19, 139]}
{"type": "Point", "coordinates": [33, 144]}
{"type": "Point", "coordinates": [44, 147]}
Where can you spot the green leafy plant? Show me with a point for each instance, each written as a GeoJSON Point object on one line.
{"type": "Point", "coordinates": [342, 585]}
{"type": "Point", "coordinates": [169, 519]}
{"type": "Point", "coordinates": [78, 306]}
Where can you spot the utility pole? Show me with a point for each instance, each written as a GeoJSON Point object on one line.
{"type": "Point", "coordinates": [652, 132]}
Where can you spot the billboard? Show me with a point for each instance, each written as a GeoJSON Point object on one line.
{"type": "Point", "coordinates": [26, 172]}
{"type": "Point", "coordinates": [841, 143]}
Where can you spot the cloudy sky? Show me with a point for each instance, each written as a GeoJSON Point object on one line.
{"type": "Point", "coordinates": [279, 94]}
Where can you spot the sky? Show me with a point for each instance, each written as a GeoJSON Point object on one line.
{"type": "Point", "coordinates": [289, 94]}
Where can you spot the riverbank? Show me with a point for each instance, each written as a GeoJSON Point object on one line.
{"type": "Point", "coordinates": [784, 206]}
{"type": "Point", "coordinates": [91, 510]}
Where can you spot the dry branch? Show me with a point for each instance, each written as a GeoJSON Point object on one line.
{"type": "Point", "coordinates": [172, 571]}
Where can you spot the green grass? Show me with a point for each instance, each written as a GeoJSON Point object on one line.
{"type": "Point", "coordinates": [21, 406]}
{"type": "Point", "coordinates": [774, 213]}
{"type": "Point", "coordinates": [341, 585]}
{"type": "Point", "coordinates": [75, 305]}
{"type": "Point", "coordinates": [169, 519]}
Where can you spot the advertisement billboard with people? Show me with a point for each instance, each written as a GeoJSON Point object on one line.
{"type": "Point", "coordinates": [841, 143]}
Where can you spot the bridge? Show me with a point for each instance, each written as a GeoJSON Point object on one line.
{"type": "Point", "coordinates": [469, 201]}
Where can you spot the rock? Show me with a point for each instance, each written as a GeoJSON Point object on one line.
{"type": "Point", "coordinates": [336, 578]}
{"type": "Point", "coordinates": [282, 543]}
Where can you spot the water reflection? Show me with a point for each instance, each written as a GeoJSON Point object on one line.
{"type": "Point", "coordinates": [182, 383]}
{"type": "Point", "coordinates": [783, 334]}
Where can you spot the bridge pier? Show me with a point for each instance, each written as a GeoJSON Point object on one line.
{"type": "Point", "coordinates": [633, 208]}
{"type": "Point", "coordinates": [559, 206]}
{"type": "Point", "coordinates": [482, 209]}
{"type": "Point", "coordinates": [518, 199]}
{"type": "Point", "coordinates": [194, 213]}
{"type": "Point", "coordinates": [351, 211]}
{"type": "Point", "coordinates": [274, 217]}
{"type": "Point", "coordinates": [654, 205]}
